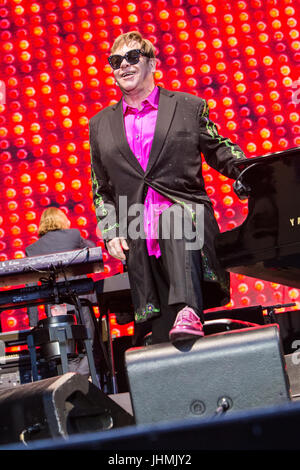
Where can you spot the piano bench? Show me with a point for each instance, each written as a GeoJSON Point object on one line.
{"type": "Point", "coordinates": [221, 325]}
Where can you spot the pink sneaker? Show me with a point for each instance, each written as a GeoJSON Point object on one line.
{"type": "Point", "coordinates": [186, 326]}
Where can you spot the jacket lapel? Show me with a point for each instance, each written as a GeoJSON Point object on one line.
{"type": "Point", "coordinates": [166, 109]}
{"type": "Point", "coordinates": [118, 131]}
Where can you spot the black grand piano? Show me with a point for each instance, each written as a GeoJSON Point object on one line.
{"type": "Point", "coordinates": [267, 244]}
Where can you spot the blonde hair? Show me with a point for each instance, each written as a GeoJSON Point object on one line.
{"type": "Point", "coordinates": [52, 219]}
{"type": "Point", "coordinates": [134, 36]}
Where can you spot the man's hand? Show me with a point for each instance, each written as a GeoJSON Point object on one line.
{"type": "Point", "coordinates": [116, 246]}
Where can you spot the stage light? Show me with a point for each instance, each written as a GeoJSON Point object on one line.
{"type": "Point", "coordinates": [28, 203]}
{"type": "Point", "coordinates": [17, 243]}
{"type": "Point", "coordinates": [11, 323]}
{"type": "Point", "coordinates": [41, 176]}
{"type": "Point", "coordinates": [30, 215]}
{"type": "Point", "coordinates": [3, 132]}
{"type": "Point", "coordinates": [76, 184]}
{"type": "Point", "coordinates": [227, 201]}
{"type": "Point", "coordinates": [245, 301]}
{"type": "Point", "coordinates": [293, 294]}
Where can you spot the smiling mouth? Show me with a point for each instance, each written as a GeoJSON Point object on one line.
{"type": "Point", "coordinates": [127, 74]}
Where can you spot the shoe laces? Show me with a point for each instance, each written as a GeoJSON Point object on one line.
{"type": "Point", "coordinates": [188, 315]}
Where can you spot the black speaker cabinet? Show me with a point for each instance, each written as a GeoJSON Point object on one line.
{"type": "Point", "coordinates": [236, 370]}
{"type": "Point", "coordinates": [57, 407]}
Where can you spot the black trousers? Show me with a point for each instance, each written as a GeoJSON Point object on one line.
{"type": "Point", "coordinates": [177, 273]}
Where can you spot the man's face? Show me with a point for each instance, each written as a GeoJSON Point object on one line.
{"type": "Point", "coordinates": [137, 77]}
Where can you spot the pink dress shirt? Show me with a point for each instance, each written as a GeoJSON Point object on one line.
{"type": "Point", "coordinates": [140, 127]}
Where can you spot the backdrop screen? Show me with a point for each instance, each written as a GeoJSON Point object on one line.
{"type": "Point", "coordinates": [243, 57]}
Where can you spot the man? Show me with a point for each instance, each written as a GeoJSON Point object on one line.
{"type": "Point", "coordinates": [148, 148]}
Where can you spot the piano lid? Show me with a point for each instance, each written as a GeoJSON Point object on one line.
{"type": "Point", "coordinates": [267, 244]}
{"type": "Point", "coordinates": [267, 158]}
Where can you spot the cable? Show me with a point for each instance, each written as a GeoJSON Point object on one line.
{"type": "Point", "coordinates": [30, 430]}
{"type": "Point", "coordinates": [245, 169]}
{"type": "Point", "coordinates": [59, 265]}
{"type": "Point", "coordinates": [240, 189]}
{"type": "Point", "coordinates": [86, 248]}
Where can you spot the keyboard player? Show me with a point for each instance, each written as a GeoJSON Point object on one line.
{"type": "Point", "coordinates": [55, 235]}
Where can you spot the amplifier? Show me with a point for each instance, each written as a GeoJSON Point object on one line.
{"type": "Point", "coordinates": [15, 370]}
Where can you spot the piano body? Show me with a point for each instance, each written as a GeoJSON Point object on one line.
{"type": "Point", "coordinates": [267, 244]}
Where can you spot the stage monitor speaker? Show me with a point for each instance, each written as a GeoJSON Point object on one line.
{"type": "Point", "coordinates": [57, 407]}
{"type": "Point", "coordinates": [236, 370]}
{"type": "Point", "coordinates": [293, 371]}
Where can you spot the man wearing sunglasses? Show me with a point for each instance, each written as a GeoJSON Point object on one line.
{"type": "Point", "coordinates": [146, 149]}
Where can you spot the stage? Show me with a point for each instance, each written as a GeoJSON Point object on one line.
{"type": "Point", "coordinates": [234, 390]}
{"type": "Point", "coordinates": [267, 429]}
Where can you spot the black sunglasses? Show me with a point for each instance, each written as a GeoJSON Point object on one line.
{"type": "Point", "coordinates": [132, 57]}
